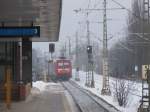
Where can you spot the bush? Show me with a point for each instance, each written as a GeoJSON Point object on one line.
{"type": "Point", "coordinates": [121, 92]}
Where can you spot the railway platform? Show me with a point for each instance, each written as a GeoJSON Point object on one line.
{"type": "Point", "coordinates": [53, 99]}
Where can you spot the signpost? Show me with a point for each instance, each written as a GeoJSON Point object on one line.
{"type": "Point", "coordinates": [33, 31]}
{"type": "Point", "coordinates": [144, 71]}
{"type": "Point", "coordinates": [145, 102]}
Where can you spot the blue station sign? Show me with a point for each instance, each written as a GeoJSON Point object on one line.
{"type": "Point", "coordinates": [33, 31]}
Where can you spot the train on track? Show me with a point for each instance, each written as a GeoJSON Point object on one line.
{"type": "Point", "coordinates": [60, 69]}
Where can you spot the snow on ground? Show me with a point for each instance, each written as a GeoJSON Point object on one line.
{"type": "Point", "coordinates": [42, 86]}
{"type": "Point", "coordinates": [134, 95]}
{"type": "Point", "coordinates": [37, 89]}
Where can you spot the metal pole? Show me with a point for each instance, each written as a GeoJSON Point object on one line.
{"type": "Point", "coordinates": [48, 67]}
{"type": "Point", "coordinates": [20, 47]}
{"type": "Point", "coordinates": [65, 50]}
{"type": "Point", "coordinates": [69, 49]}
{"type": "Point", "coordinates": [92, 80]}
{"type": "Point", "coordinates": [77, 58]}
{"type": "Point", "coordinates": [88, 66]}
{"type": "Point", "coordinates": [105, 89]}
{"type": "Point", "coordinates": [8, 87]}
{"type": "Point", "coordinates": [88, 32]}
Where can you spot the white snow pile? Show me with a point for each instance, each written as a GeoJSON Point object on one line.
{"type": "Point", "coordinates": [36, 90]}
{"type": "Point", "coordinates": [133, 98]}
{"type": "Point", "coordinates": [42, 86]}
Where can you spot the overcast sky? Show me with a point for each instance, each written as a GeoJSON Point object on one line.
{"type": "Point", "coordinates": [70, 19]}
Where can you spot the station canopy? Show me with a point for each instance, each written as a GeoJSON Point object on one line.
{"type": "Point", "coordinates": [24, 13]}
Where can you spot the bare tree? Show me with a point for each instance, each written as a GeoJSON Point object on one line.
{"type": "Point", "coordinates": [122, 89]}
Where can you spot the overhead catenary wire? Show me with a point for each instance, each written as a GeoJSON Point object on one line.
{"type": "Point", "coordinates": [123, 7]}
{"type": "Point", "coordinates": [138, 17]}
{"type": "Point", "coordinates": [90, 10]}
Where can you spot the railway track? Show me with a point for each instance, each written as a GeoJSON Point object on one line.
{"type": "Point", "coordinates": [86, 101]}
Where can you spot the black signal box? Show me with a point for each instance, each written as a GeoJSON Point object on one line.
{"type": "Point", "coordinates": [51, 48]}
{"type": "Point", "coordinates": [89, 49]}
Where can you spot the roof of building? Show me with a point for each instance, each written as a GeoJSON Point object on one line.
{"type": "Point", "coordinates": [43, 13]}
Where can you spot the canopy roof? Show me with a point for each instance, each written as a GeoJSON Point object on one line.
{"type": "Point", "coordinates": [43, 13]}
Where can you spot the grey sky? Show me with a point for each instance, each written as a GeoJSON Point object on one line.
{"type": "Point", "coordinates": [70, 19]}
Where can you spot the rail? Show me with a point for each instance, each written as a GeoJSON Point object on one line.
{"type": "Point", "coordinates": [71, 87]}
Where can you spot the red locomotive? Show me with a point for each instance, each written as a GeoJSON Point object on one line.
{"type": "Point", "coordinates": [63, 69]}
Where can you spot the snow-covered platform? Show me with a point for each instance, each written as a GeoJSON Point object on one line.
{"type": "Point", "coordinates": [45, 97]}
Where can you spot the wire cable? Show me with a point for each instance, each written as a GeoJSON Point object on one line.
{"type": "Point", "coordinates": [138, 17]}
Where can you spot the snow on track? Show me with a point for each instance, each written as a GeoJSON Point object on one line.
{"type": "Point", "coordinates": [85, 100]}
